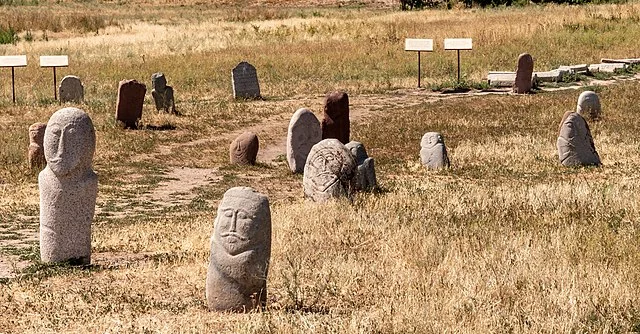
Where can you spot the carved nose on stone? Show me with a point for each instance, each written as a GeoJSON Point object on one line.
{"type": "Point", "coordinates": [234, 219]}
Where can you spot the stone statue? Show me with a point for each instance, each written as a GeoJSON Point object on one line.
{"type": "Point", "coordinates": [329, 172]}
{"type": "Point", "coordinates": [575, 144]}
{"type": "Point", "coordinates": [366, 174]}
{"type": "Point", "coordinates": [589, 105]}
{"type": "Point", "coordinates": [130, 102]}
{"type": "Point", "coordinates": [240, 252]}
{"type": "Point", "coordinates": [36, 145]}
{"type": "Point", "coordinates": [433, 152]}
{"type": "Point", "coordinates": [162, 94]}
{"type": "Point", "coordinates": [68, 188]}
{"type": "Point", "coordinates": [304, 132]}
{"type": "Point", "coordinates": [71, 89]}
{"type": "Point", "coordinates": [244, 149]}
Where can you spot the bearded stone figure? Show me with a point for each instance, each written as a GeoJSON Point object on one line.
{"type": "Point", "coordinates": [329, 172]}
{"type": "Point", "coordinates": [575, 144]}
{"type": "Point", "coordinates": [240, 252]}
{"type": "Point", "coordinates": [433, 152]}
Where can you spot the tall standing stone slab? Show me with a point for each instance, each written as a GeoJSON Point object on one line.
{"type": "Point", "coordinates": [589, 105]}
{"type": "Point", "coordinates": [240, 252]}
{"type": "Point", "coordinates": [68, 188]}
{"type": "Point", "coordinates": [433, 152]}
{"type": "Point", "coordinates": [329, 172]}
{"type": "Point", "coordinates": [162, 94]}
{"type": "Point", "coordinates": [71, 89]}
{"type": "Point", "coordinates": [575, 144]}
{"type": "Point", "coordinates": [335, 122]}
{"type": "Point", "coordinates": [244, 79]}
{"type": "Point", "coordinates": [36, 145]}
{"type": "Point", "coordinates": [304, 132]}
{"type": "Point", "coordinates": [244, 149]}
{"type": "Point", "coordinates": [524, 72]}
{"type": "Point", "coordinates": [130, 101]}
{"type": "Point", "coordinates": [366, 173]}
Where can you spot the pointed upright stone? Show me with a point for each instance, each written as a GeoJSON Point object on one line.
{"type": "Point", "coordinates": [335, 122]}
{"type": "Point", "coordinates": [575, 144]}
{"type": "Point", "coordinates": [524, 73]}
{"type": "Point", "coordinates": [244, 149]}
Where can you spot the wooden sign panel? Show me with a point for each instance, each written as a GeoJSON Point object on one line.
{"type": "Point", "coordinates": [13, 61]}
{"type": "Point", "coordinates": [54, 61]}
{"type": "Point", "coordinates": [458, 44]}
{"type": "Point", "coordinates": [416, 44]}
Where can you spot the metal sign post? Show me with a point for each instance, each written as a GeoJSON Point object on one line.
{"type": "Point", "coordinates": [458, 44]}
{"type": "Point", "coordinates": [418, 45]}
{"type": "Point", "coordinates": [54, 61]}
{"type": "Point", "coordinates": [13, 62]}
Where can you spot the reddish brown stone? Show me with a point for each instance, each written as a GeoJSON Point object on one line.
{"type": "Point", "coordinates": [523, 74]}
{"type": "Point", "coordinates": [130, 100]}
{"type": "Point", "coordinates": [36, 146]}
{"type": "Point", "coordinates": [244, 149]}
{"type": "Point", "coordinates": [335, 123]}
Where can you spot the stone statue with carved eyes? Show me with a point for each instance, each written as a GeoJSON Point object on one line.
{"type": "Point", "coordinates": [240, 252]}
{"type": "Point", "coordinates": [433, 152]}
{"type": "Point", "coordinates": [366, 173]}
{"type": "Point", "coordinates": [162, 94]}
{"type": "Point", "coordinates": [304, 132]}
{"type": "Point", "coordinates": [68, 188]}
{"type": "Point", "coordinates": [329, 172]}
{"type": "Point", "coordinates": [575, 144]}
{"type": "Point", "coordinates": [589, 105]}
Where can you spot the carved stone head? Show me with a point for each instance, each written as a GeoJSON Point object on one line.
{"type": "Point", "coordinates": [36, 133]}
{"type": "Point", "coordinates": [433, 152]}
{"type": "Point", "coordinates": [329, 171]}
{"type": "Point", "coordinates": [69, 142]}
{"type": "Point", "coordinates": [243, 222]}
{"type": "Point", "coordinates": [589, 105]}
{"type": "Point", "coordinates": [358, 151]}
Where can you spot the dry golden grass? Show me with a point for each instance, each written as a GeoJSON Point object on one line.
{"type": "Point", "coordinates": [505, 241]}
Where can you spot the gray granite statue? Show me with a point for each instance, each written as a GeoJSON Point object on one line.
{"type": "Point", "coordinates": [304, 132]}
{"type": "Point", "coordinates": [68, 188]}
{"type": "Point", "coordinates": [589, 105]}
{"type": "Point", "coordinates": [366, 174]}
{"type": "Point", "coordinates": [575, 144]}
{"type": "Point", "coordinates": [433, 152]}
{"type": "Point", "coordinates": [240, 252]}
{"type": "Point", "coordinates": [162, 94]}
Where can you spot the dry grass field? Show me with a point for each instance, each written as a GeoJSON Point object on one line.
{"type": "Point", "coordinates": [507, 240]}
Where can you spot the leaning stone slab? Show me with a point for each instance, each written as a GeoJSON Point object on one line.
{"type": "Point", "coordinates": [68, 188]}
{"type": "Point", "coordinates": [501, 79]}
{"type": "Point", "coordinates": [304, 132]}
{"type": "Point", "coordinates": [71, 89]}
{"type": "Point", "coordinates": [629, 61]}
{"type": "Point", "coordinates": [162, 94]}
{"type": "Point", "coordinates": [575, 144]}
{"type": "Point", "coordinates": [335, 121]}
{"type": "Point", "coordinates": [240, 252]}
{"type": "Point", "coordinates": [575, 69]}
{"type": "Point", "coordinates": [244, 79]}
{"type": "Point", "coordinates": [589, 105]}
{"type": "Point", "coordinates": [550, 76]}
{"type": "Point", "coordinates": [365, 174]}
{"type": "Point", "coordinates": [244, 149]}
{"type": "Point", "coordinates": [607, 68]}
{"type": "Point", "coordinates": [130, 101]}
{"type": "Point", "coordinates": [329, 171]}
{"type": "Point", "coordinates": [36, 145]}
{"type": "Point", "coordinates": [433, 152]}
{"type": "Point", "coordinates": [524, 74]}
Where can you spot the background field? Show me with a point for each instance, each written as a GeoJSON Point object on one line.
{"type": "Point", "coordinates": [505, 241]}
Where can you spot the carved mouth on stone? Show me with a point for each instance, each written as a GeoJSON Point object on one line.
{"type": "Point", "coordinates": [233, 235]}
{"type": "Point", "coordinates": [331, 180]}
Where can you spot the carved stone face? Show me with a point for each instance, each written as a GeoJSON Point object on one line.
{"type": "Point", "coordinates": [329, 170]}
{"type": "Point", "coordinates": [36, 133]}
{"type": "Point", "coordinates": [433, 152]}
{"type": "Point", "coordinates": [589, 105]}
{"type": "Point", "coordinates": [69, 141]}
{"type": "Point", "coordinates": [242, 220]}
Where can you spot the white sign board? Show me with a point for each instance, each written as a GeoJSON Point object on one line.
{"type": "Point", "coordinates": [54, 61]}
{"type": "Point", "coordinates": [458, 44]}
{"type": "Point", "coordinates": [415, 44]}
{"type": "Point", "coordinates": [13, 61]}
